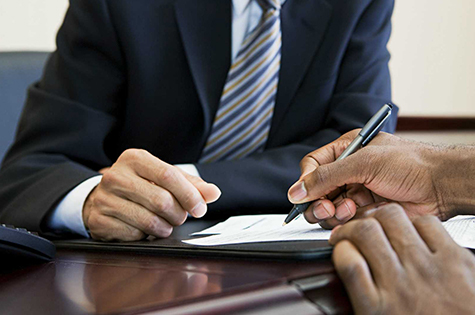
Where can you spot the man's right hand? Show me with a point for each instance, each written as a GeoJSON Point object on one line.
{"type": "Point", "coordinates": [424, 179]}
{"type": "Point", "coordinates": [141, 195]}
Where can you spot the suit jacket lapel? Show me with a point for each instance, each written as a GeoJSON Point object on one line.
{"type": "Point", "coordinates": [304, 23]}
{"type": "Point", "coordinates": [205, 27]}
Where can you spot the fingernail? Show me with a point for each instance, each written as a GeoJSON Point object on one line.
{"type": "Point", "coordinates": [298, 192]}
{"type": "Point", "coordinates": [344, 214]}
{"type": "Point", "coordinates": [199, 210]}
{"type": "Point", "coordinates": [320, 212]}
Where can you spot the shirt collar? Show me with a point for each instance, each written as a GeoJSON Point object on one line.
{"type": "Point", "coordinates": [240, 6]}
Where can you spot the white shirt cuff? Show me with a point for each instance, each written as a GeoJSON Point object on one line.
{"type": "Point", "coordinates": [67, 217]}
{"type": "Point", "coordinates": [189, 168]}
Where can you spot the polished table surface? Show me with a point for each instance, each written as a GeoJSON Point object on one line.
{"type": "Point", "coordinates": [94, 282]}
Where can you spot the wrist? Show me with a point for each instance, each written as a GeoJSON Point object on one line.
{"type": "Point", "coordinates": [87, 206]}
{"type": "Point", "coordinates": [453, 179]}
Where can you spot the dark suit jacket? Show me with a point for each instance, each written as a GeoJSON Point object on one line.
{"type": "Point", "coordinates": [149, 74]}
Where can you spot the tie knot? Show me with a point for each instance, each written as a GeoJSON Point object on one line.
{"type": "Point", "coordinates": [269, 4]}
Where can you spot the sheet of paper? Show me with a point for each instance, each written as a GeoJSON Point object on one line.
{"type": "Point", "coordinates": [248, 223]}
{"type": "Point", "coordinates": [268, 228]}
{"type": "Point", "coordinates": [259, 228]}
{"type": "Point", "coordinates": [462, 230]}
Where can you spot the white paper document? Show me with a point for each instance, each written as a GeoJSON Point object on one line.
{"type": "Point", "coordinates": [268, 228]}
{"type": "Point", "coordinates": [259, 228]}
{"type": "Point", "coordinates": [462, 230]}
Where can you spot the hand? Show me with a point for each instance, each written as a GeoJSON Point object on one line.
{"type": "Point", "coordinates": [392, 266]}
{"type": "Point", "coordinates": [141, 195]}
{"type": "Point", "coordinates": [389, 169]}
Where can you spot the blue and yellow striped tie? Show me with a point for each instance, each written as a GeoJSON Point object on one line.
{"type": "Point", "coordinates": [243, 119]}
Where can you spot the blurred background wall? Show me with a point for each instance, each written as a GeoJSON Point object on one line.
{"type": "Point", "coordinates": [432, 47]}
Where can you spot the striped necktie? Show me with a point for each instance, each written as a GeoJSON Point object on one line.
{"type": "Point", "coordinates": [243, 119]}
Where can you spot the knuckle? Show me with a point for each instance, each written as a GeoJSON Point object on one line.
{"type": "Point", "coordinates": [168, 174]}
{"type": "Point", "coordinates": [96, 222]}
{"type": "Point", "coordinates": [165, 232]}
{"type": "Point", "coordinates": [156, 227]}
{"type": "Point", "coordinates": [99, 237]}
{"type": "Point", "coordinates": [181, 219]}
{"type": "Point", "coordinates": [426, 266]}
{"type": "Point", "coordinates": [126, 155]}
{"type": "Point", "coordinates": [178, 218]}
{"type": "Point", "coordinates": [466, 257]}
{"type": "Point", "coordinates": [132, 154]}
{"type": "Point", "coordinates": [98, 227]}
{"type": "Point", "coordinates": [190, 199]}
{"type": "Point", "coordinates": [455, 253]}
{"type": "Point", "coordinates": [163, 202]}
{"type": "Point", "coordinates": [151, 225]}
{"type": "Point", "coordinates": [426, 221]}
{"type": "Point", "coordinates": [391, 211]}
{"type": "Point", "coordinates": [305, 160]}
{"type": "Point", "coordinates": [100, 201]}
{"type": "Point", "coordinates": [365, 229]}
{"type": "Point", "coordinates": [110, 178]}
{"type": "Point", "coordinates": [136, 235]}
{"type": "Point", "coordinates": [348, 269]}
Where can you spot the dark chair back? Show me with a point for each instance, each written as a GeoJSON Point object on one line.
{"type": "Point", "coordinates": [17, 71]}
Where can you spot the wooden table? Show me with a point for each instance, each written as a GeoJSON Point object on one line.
{"type": "Point", "coordinates": [92, 282]}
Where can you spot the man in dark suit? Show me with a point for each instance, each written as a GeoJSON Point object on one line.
{"type": "Point", "coordinates": [146, 86]}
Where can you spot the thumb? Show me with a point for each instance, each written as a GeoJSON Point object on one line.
{"type": "Point", "coordinates": [327, 178]}
{"type": "Point", "coordinates": [210, 192]}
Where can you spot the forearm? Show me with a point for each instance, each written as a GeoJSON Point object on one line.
{"type": "Point", "coordinates": [453, 178]}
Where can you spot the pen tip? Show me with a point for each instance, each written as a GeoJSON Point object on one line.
{"type": "Point", "coordinates": [284, 224]}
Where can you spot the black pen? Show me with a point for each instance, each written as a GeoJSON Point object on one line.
{"type": "Point", "coordinates": [369, 131]}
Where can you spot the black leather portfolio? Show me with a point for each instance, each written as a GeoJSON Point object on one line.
{"type": "Point", "coordinates": [296, 250]}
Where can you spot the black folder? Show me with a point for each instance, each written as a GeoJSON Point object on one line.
{"type": "Point", "coordinates": [295, 250]}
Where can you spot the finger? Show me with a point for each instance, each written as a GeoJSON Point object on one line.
{"type": "Point", "coordinates": [323, 211]}
{"type": "Point", "coordinates": [326, 154]}
{"type": "Point", "coordinates": [330, 224]}
{"type": "Point", "coordinates": [368, 237]}
{"type": "Point", "coordinates": [167, 176]}
{"type": "Point", "coordinates": [308, 165]}
{"type": "Point", "coordinates": [147, 194]}
{"type": "Point", "coordinates": [327, 178]}
{"type": "Point", "coordinates": [354, 271]}
{"type": "Point", "coordinates": [369, 210]}
{"type": "Point", "coordinates": [335, 193]}
{"type": "Point", "coordinates": [361, 195]}
{"type": "Point", "coordinates": [209, 191]}
{"type": "Point", "coordinates": [133, 214]}
{"type": "Point", "coordinates": [105, 228]}
{"type": "Point", "coordinates": [319, 210]}
{"type": "Point", "coordinates": [433, 233]}
{"type": "Point", "coordinates": [400, 232]}
{"type": "Point", "coordinates": [345, 208]}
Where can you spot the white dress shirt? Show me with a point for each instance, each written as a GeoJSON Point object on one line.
{"type": "Point", "coordinates": [67, 217]}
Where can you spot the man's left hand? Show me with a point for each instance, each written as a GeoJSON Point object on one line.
{"type": "Point", "coordinates": [390, 265]}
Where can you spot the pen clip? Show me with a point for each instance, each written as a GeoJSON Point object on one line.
{"type": "Point", "coordinates": [375, 131]}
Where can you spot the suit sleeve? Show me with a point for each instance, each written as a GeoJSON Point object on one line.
{"type": "Point", "coordinates": [261, 181]}
{"type": "Point", "coordinates": [66, 119]}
